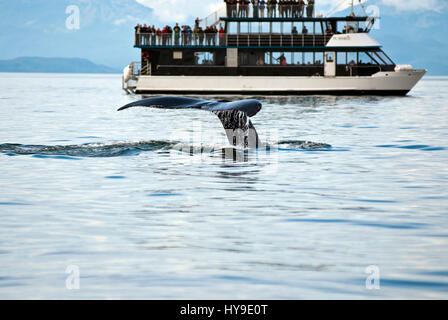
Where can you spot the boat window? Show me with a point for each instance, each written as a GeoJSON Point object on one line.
{"type": "Point", "coordinates": [352, 27]}
{"type": "Point", "coordinates": [276, 58]}
{"type": "Point", "coordinates": [309, 59]}
{"type": "Point", "coordinates": [268, 58]}
{"type": "Point", "coordinates": [253, 58]}
{"type": "Point", "coordinates": [204, 58]}
{"type": "Point", "coordinates": [276, 27]}
{"type": "Point", "coordinates": [319, 58]}
{"type": "Point", "coordinates": [374, 57]}
{"type": "Point", "coordinates": [244, 27]}
{"type": "Point", "coordinates": [297, 58]}
{"type": "Point", "coordinates": [384, 57]}
{"type": "Point", "coordinates": [352, 58]}
{"type": "Point", "coordinates": [364, 59]}
{"type": "Point", "coordinates": [320, 28]}
{"type": "Point", "coordinates": [330, 57]}
{"type": "Point", "coordinates": [254, 27]}
{"type": "Point", "coordinates": [232, 27]}
{"type": "Point", "coordinates": [288, 58]}
{"type": "Point", "coordinates": [363, 26]}
{"type": "Point", "coordinates": [264, 27]}
{"type": "Point", "coordinates": [341, 58]}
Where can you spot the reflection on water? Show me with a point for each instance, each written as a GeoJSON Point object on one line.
{"type": "Point", "coordinates": [146, 209]}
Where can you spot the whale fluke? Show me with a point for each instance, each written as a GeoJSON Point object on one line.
{"type": "Point", "coordinates": [234, 115]}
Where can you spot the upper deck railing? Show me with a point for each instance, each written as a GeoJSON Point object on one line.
{"type": "Point", "coordinates": [276, 11]}
{"type": "Point", "coordinates": [146, 40]}
{"type": "Point", "coordinates": [219, 39]}
{"type": "Point", "coordinates": [266, 9]}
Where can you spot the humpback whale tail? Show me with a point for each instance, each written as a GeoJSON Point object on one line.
{"type": "Point", "coordinates": [234, 116]}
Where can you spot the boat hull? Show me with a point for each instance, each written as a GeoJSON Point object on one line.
{"type": "Point", "coordinates": [381, 83]}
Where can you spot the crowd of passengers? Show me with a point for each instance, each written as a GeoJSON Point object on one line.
{"type": "Point", "coordinates": [180, 35]}
{"type": "Point", "coordinates": [270, 8]}
{"type": "Point", "coordinates": [210, 36]}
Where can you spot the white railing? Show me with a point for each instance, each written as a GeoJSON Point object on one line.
{"type": "Point", "coordinates": [232, 40]}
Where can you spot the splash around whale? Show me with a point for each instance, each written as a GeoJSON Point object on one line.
{"type": "Point", "coordinates": [234, 115]}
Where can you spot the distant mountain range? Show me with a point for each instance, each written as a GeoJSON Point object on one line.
{"type": "Point", "coordinates": [53, 65]}
{"type": "Point", "coordinates": [37, 28]}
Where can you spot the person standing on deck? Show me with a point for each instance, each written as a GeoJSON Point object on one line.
{"type": "Point", "coordinates": [301, 6]}
{"type": "Point", "coordinates": [208, 36]}
{"type": "Point", "coordinates": [137, 35]}
{"type": "Point", "coordinates": [274, 8]}
{"type": "Point", "coordinates": [190, 36]}
{"type": "Point", "coordinates": [304, 30]}
{"type": "Point", "coordinates": [291, 8]}
{"type": "Point", "coordinates": [153, 35]}
{"type": "Point", "coordinates": [159, 36]}
{"type": "Point", "coordinates": [310, 9]}
{"type": "Point", "coordinates": [235, 8]}
{"type": "Point", "coordinates": [255, 7]}
{"type": "Point", "coordinates": [295, 9]}
{"type": "Point", "coordinates": [144, 29]}
{"type": "Point", "coordinates": [184, 35]}
{"type": "Point", "coordinates": [262, 7]}
{"type": "Point", "coordinates": [240, 8]}
{"type": "Point", "coordinates": [221, 36]}
{"type": "Point", "coordinates": [169, 33]}
{"type": "Point", "coordinates": [282, 60]}
{"type": "Point", "coordinates": [195, 36]}
{"type": "Point", "coordinates": [215, 35]}
{"type": "Point", "coordinates": [164, 36]}
{"type": "Point", "coordinates": [201, 36]}
{"type": "Point", "coordinates": [228, 8]}
{"type": "Point", "coordinates": [176, 34]}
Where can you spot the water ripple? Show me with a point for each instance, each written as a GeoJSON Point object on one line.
{"type": "Point", "coordinates": [413, 147]}
{"type": "Point", "coordinates": [118, 149]}
{"type": "Point", "coordinates": [84, 150]}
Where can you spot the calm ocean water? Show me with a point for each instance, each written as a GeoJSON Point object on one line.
{"type": "Point", "coordinates": [144, 204]}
